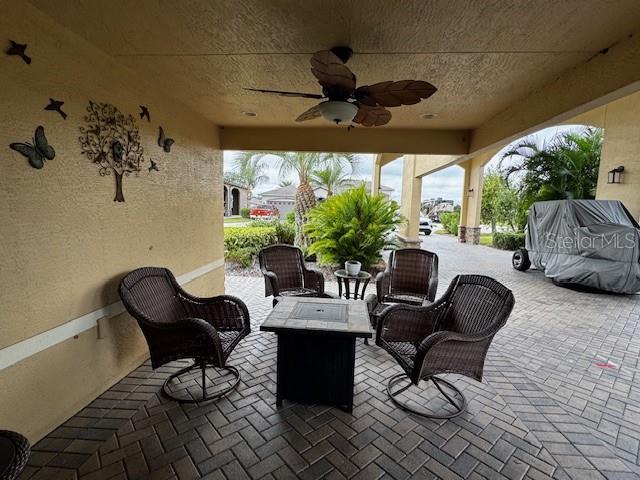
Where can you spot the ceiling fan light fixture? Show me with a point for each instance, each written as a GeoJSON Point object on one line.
{"type": "Point", "coordinates": [338, 111]}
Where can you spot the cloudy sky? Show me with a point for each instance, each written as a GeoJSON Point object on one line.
{"type": "Point", "coordinates": [445, 183]}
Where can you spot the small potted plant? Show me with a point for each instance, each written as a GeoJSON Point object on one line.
{"type": "Point", "coordinates": [352, 267]}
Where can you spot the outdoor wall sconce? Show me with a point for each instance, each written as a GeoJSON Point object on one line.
{"type": "Point", "coordinates": [615, 175]}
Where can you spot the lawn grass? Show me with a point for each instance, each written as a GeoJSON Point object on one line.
{"type": "Point", "coordinates": [486, 239]}
{"type": "Point", "coordinates": [235, 220]}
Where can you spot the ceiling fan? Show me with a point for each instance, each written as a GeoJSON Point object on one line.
{"type": "Point", "coordinates": [343, 102]}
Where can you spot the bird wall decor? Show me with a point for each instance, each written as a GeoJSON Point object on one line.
{"type": "Point", "coordinates": [18, 49]}
{"type": "Point", "coordinates": [144, 113]}
{"type": "Point", "coordinates": [56, 106]}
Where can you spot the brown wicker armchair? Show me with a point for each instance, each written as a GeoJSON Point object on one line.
{"type": "Point", "coordinates": [14, 454]}
{"type": "Point", "coordinates": [411, 277]}
{"type": "Point", "coordinates": [178, 325]}
{"type": "Point", "coordinates": [286, 274]}
{"type": "Point", "coordinates": [451, 335]}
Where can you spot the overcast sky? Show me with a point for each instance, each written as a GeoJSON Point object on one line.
{"type": "Point", "coordinates": [446, 183]}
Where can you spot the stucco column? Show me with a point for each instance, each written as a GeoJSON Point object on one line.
{"type": "Point", "coordinates": [410, 202]}
{"type": "Point", "coordinates": [620, 148]}
{"type": "Point", "coordinates": [375, 178]}
{"type": "Point", "coordinates": [469, 231]}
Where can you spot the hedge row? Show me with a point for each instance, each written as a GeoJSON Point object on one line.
{"type": "Point", "coordinates": [508, 241]}
{"type": "Point", "coordinates": [242, 244]}
{"type": "Point", "coordinates": [450, 222]}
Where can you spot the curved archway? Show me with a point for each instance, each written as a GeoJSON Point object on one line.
{"type": "Point", "coordinates": [226, 201]}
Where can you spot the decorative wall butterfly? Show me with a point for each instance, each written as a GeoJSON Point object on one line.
{"type": "Point", "coordinates": [153, 166]}
{"type": "Point", "coordinates": [164, 141]}
{"type": "Point", "coordinates": [37, 152]}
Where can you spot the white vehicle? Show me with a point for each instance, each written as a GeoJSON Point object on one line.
{"type": "Point", "coordinates": [425, 226]}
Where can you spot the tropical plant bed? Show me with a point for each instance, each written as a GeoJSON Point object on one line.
{"type": "Point", "coordinates": [234, 269]}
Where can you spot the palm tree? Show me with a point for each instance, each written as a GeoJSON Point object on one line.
{"type": "Point", "coordinates": [250, 169]}
{"type": "Point", "coordinates": [304, 164]}
{"type": "Point", "coordinates": [330, 178]}
{"type": "Point", "coordinates": [564, 168]}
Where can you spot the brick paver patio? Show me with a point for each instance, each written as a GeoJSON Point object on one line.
{"type": "Point", "coordinates": [550, 405]}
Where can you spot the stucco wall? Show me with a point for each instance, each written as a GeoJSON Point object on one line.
{"type": "Point", "coordinates": [65, 244]}
{"type": "Point", "coordinates": [622, 147]}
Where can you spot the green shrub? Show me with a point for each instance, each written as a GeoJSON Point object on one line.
{"type": "Point", "coordinates": [508, 240]}
{"type": "Point", "coordinates": [290, 218]}
{"type": "Point", "coordinates": [242, 256]}
{"type": "Point", "coordinates": [353, 225]}
{"type": "Point", "coordinates": [285, 232]}
{"type": "Point", "coordinates": [259, 223]}
{"type": "Point", "coordinates": [249, 237]}
{"type": "Point", "coordinates": [244, 212]}
{"type": "Point", "coordinates": [450, 221]}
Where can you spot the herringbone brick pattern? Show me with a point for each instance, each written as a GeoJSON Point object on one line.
{"type": "Point", "coordinates": [543, 411]}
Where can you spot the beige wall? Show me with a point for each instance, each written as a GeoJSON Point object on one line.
{"type": "Point", "coordinates": [622, 147]}
{"type": "Point", "coordinates": [64, 242]}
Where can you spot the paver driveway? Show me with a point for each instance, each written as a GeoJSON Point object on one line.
{"type": "Point", "coordinates": [544, 410]}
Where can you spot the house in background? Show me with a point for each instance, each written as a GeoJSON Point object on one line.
{"type": "Point", "coordinates": [284, 198]}
{"type": "Point", "coordinates": [236, 197]}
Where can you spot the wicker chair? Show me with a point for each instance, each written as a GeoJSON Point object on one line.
{"type": "Point", "coordinates": [411, 278]}
{"type": "Point", "coordinates": [451, 335]}
{"type": "Point", "coordinates": [178, 325]}
{"type": "Point", "coordinates": [286, 274]}
{"type": "Point", "coordinates": [14, 454]}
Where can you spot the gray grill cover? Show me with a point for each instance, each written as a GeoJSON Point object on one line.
{"type": "Point", "coordinates": [595, 243]}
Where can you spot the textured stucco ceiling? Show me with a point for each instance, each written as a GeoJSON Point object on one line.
{"type": "Point", "coordinates": [481, 54]}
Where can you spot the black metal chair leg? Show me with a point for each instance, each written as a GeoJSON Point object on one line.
{"type": "Point", "coordinates": [459, 405]}
{"type": "Point", "coordinates": [205, 397]}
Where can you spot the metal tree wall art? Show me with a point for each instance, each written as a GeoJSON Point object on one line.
{"type": "Point", "coordinates": [111, 140]}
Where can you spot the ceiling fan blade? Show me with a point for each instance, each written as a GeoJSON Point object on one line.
{"type": "Point", "coordinates": [331, 72]}
{"type": "Point", "coordinates": [372, 116]}
{"type": "Point", "coordinates": [394, 94]}
{"type": "Point", "coordinates": [286, 94]}
{"type": "Point", "coordinates": [313, 112]}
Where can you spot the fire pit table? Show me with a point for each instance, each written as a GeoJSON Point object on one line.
{"type": "Point", "coordinates": [316, 348]}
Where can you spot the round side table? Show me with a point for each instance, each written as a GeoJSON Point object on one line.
{"type": "Point", "coordinates": [362, 278]}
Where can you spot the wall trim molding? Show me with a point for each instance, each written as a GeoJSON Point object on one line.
{"type": "Point", "coordinates": [31, 346]}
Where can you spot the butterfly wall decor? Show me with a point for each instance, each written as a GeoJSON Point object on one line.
{"type": "Point", "coordinates": [164, 141]}
{"type": "Point", "coordinates": [37, 151]}
{"type": "Point", "coordinates": [153, 166]}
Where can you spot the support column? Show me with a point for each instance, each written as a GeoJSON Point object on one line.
{"type": "Point", "coordinates": [410, 203]}
{"type": "Point", "coordinates": [377, 171]}
{"type": "Point", "coordinates": [469, 230]}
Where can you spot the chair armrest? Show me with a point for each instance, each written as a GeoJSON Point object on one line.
{"type": "Point", "coordinates": [407, 323]}
{"type": "Point", "coordinates": [270, 283]}
{"type": "Point", "coordinates": [451, 352]}
{"type": "Point", "coordinates": [174, 339]}
{"type": "Point", "coordinates": [224, 312]}
{"type": "Point", "coordinates": [313, 279]}
{"type": "Point", "coordinates": [382, 285]}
